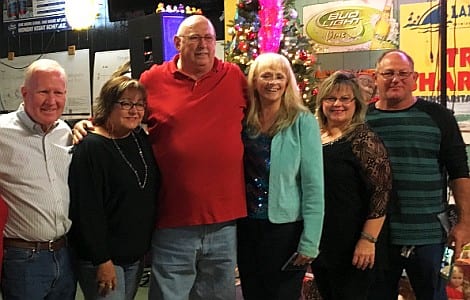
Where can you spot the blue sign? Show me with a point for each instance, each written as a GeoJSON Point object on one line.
{"type": "Point", "coordinates": [30, 16]}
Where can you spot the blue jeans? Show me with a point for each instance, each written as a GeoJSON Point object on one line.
{"type": "Point", "coordinates": [422, 268]}
{"type": "Point", "coordinates": [30, 274]}
{"type": "Point", "coordinates": [194, 262]}
{"type": "Point", "coordinates": [127, 277]}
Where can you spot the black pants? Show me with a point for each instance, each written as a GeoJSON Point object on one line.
{"type": "Point", "coordinates": [263, 248]}
{"type": "Point", "coordinates": [341, 282]}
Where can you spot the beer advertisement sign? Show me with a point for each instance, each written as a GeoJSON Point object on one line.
{"type": "Point", "coordinates": [351, 25]}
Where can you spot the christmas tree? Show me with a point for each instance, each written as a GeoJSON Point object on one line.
{"type": "Point", "coordinates": [273, 26]}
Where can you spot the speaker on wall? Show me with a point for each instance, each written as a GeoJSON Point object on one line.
{"type": "Point", "coordinates": [151, 40]}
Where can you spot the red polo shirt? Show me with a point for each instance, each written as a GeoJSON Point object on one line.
{"type": "Point", "coordinates": [195, 131]}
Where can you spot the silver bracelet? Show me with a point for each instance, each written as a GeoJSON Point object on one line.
{"type": "Point", "coordinates": [368, 237]}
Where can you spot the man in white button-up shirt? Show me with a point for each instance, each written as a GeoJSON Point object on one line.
{"type": "Point", "coordinates": [34, 162]}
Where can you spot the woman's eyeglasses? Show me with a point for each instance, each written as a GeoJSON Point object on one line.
{"type": "Point", "coordinates": [127, 105]}
{"type": "Point", "coordinates": [344, 100]}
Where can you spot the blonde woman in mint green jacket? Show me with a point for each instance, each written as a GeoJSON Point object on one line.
{"type": "Point", "coordinates": [284, 184]}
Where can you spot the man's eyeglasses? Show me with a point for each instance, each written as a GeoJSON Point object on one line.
{"type": "Point", "coordinates": [398, 74]}
{"type": "Point", "coordinates": [127, 105]}
{"type": "Point", "coordinates": [197, 38]}
{"type": "Point", "coordinates": [343, 100]}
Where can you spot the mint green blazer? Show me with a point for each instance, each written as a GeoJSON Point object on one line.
{"type": "Point", "coordinates": [296, 180]}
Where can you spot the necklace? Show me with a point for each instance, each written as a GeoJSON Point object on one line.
{"type": "Point", "coordinates": [141, 154]}
{"type": "Point", "coordinates": [327, 138]}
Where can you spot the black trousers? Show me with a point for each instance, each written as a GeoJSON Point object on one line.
{"type": "Point", "coordinates": [263, 248]}
{"type": "Point", "coordinates": [341, 282]}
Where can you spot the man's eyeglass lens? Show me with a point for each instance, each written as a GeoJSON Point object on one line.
{"type": "Point", "coordinates": [400, 74]}
{"type": "Point", "coordinates": [198, 38]}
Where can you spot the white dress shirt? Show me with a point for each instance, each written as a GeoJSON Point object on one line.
{"type": "Point", "coordinates": [33, 177]}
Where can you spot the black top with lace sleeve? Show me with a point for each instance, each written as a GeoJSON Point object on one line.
{"type": "Point", "coordinates": [357, 187]}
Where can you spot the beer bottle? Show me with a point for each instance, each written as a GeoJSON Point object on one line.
{"type": "Point", "coordinates": [382, 27]}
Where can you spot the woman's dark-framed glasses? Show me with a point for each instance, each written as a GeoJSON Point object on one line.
{"type": "Point", "coordinates": [127, 105]}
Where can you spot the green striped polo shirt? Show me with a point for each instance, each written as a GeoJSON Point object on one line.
{"type": "Point", "coordinates": [423, 142]}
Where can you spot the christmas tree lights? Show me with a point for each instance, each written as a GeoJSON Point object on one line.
{"type": "Point", "coordinates": [259, 27]}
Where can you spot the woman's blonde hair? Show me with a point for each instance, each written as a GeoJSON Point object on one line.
{"type": "Point", "coordinates": [291, 102]}
{"type": "Point", "coordinates": [333, 83]}
{"type": "Point", "coordinates": [111, 92]}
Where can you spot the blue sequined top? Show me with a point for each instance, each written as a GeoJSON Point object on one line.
{"type": "Point", "coordinates": [257, 161]}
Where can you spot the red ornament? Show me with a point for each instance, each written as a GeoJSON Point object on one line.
{"type": "Point", "coordinates": [242, 46]}
{"type": "Point", "coordinates": [252, 36]}
{"type": "Point", "coordinates": [303, 55]}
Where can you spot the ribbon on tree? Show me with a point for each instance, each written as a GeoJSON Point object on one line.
{"type": "Point", "coordinates": [269, 34]}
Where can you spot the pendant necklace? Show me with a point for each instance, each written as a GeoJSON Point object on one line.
{"type": "Point", "coordinates": [330, 139]}
{"type": "Point", "coordinates": [141, 154]}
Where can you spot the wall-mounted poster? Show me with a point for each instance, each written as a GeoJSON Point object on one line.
{"type": "Point", "coordinates": [76, 66]}
{"type": "Point", "coordinates": [419, 36]}
{"type": "Point", "coordinates": [28, 16]}
{"type": "Point", "coordinates": [351, 25]}
{"type": "Point", "coordinates": [106, 63]}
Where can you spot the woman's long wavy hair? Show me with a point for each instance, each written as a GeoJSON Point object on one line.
{"type": "Point", "coordinates": [291, 102]}
{"type": "Point", "coordinates": [333, 83]}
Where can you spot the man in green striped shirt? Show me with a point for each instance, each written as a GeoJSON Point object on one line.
{"type": "Point", "coordinates": [426, 151]}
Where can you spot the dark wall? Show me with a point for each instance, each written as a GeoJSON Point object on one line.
{"type": "Point", "coordinates": [103, 36]}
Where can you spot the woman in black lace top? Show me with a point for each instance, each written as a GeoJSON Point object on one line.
{"type": "Point", "coordinates": [357, 190]}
